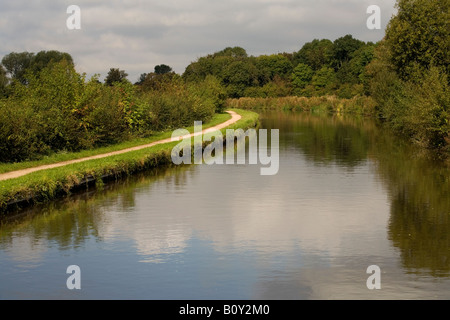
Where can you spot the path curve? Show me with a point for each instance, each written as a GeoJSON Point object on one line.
{"type": "Point", "coordinates": [18, 173]}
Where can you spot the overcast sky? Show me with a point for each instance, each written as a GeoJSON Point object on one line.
{"type": "Point", "coordinates": [136, 35]}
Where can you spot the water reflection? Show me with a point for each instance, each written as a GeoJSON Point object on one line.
{"type": "Point", "coordinates": [347, 195]}
{"type": "Point", "coordinates": [323, 139]}
{"type": "Point", "coordinates": [68, 223]}
{"type": "Point", "coordinates": [418, 185]}
{"type": "Point", "coordinates": [419, 188]}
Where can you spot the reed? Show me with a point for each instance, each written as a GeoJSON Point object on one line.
{"type": "Point", "coordinates": [359, 105]}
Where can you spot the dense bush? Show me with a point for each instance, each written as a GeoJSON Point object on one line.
{"type": "Point", "coordinates": [57, 109]}
{"type": "Point", "coordinates": [409, 76]}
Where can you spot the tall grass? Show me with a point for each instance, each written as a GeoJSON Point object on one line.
{"type": "Point", "coordinates": [360, 105]}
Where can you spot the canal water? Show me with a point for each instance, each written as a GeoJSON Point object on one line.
{"type": "Point", "coordinates": [348, 195]}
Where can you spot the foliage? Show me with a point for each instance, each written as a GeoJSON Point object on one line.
{"type": "Point", "coordinates": [44, 58]}
{"type": "Point", "coordinates": [275, 88]}
{"type": "Point", "coordinates": [57, 110]}
{"type": "Point", "coordinates": [343, 49]}
{"type": "Point", "coordinates": [162, 69]}
{"type": "Point", "coordinates": [418, 36]}
{"type": "Point", "coordinates": [210, 94]}
{"type": "Point", "coordinates": [304, 73]}
{"type": "Point", "coordinates": [237, 76]}
{"type": "Point", "coordinates": [115, 75]}
{"type": "Point", "coordinates": [301, 76]}
{"type": "Point", "coordinates": [155, 81]}
{"type": "Point", "coordinates": [409, 75]}
{"type": "Point", "coordinates": [18, 65]}
{"type": "Point", "coordinates": [232, 52]}
{"type": "Point", "coordinates": [271, 66]}
{"type": "Point", "coordinates": [3, 82]}
{"type": "Point", "coordinates": [361, 105]}
{"type": "Point", "coordinates": [47, 107]}
{"type": "Point", "coordinates": [49, 184]}
{"type": "Point", "coordinates": [316, 54]}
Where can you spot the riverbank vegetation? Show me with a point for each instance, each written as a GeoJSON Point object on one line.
{"type": "Point", "coordinates": [358, 105]}
{"type": "Point", "coordinates": [409, 75]}
{"type": "Point", "coordinates": [55, 109]}
{"type": "Point", "coordinates": [56, 182]}
{"type": "Point", "coordinates": [67, 156]}
{"type": "Point", "coordinates": [402, 80]}
{"type": "Point", "coordinates": [48, 109]}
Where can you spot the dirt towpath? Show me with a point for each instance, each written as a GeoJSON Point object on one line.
{"type": "Point", "coordinates": [18, 173]}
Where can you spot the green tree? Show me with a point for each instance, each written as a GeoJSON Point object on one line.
{"type": "Point", "coordinates": [233, 52]}
{"type": "Point", "coordinates": [302, 76]}
{"type": "Point", "coordinates": [276, 88]}
{"type": "Point", "coordinates": [210, 97]}
{"type": "Point", "coordinates": [141, 79]}
{"type": "Point", "coordinates": [16, 64]}
{"type": "Point", "coordinates": [419, 36]}
{"type": "Point", "coordinates": [43, 58]}
{"type": "Point", "coordinates": [51, 98]}
{"type": "Point", "coordinates": [353, 71]}
{"type": "Point", "coordinates": [408, 83]}
{"type": "Point", "coordinates": [162, 69]}
{"type": "Point", "coordinates": [214, 64]}
{"type": "Point", "coordinates": [115, 75]}
{"type": "Point", "coordinates": [155, 81]}
{"type": "Point", "coordinates": [316, 54]}
{"type": "Point", "coordinates": [343, 49]}
{"type": "Point", "coordinates": [273, 65]}
{"type": "Point", "coordinates": [3, 81]}
{"type": "Point", "coordinates": [323, 78]}
{"type": "Point", "coordinates": [239, 75]}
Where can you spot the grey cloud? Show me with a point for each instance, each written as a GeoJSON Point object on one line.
{"type": "Point", "coordinates": [141, 34]}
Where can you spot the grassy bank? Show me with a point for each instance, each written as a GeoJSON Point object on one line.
{"type": "Point", "coordinates": [359, 105]}
{"type": "Point", "coordinates": [65, 156]}
{"type": "Point", "coordinates": [49, 184]}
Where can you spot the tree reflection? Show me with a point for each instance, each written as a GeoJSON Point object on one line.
{"type": "Point", "coordinates": [418, 184]}
{"type": "Point", "coordinates": [419, 187]}
{"type": "Point", "coordinates": [323, 139]}
{"type": "Point", "coordinates": [69, 222]}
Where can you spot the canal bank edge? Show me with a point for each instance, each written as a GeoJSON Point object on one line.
{"type": "Point", "coordinates": [51, 184]}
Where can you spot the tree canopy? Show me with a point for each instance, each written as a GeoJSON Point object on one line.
{"type": "Point", "coordinates": [409, 75]}
{"type": "Point", "coordinates": [115, 75]}
{"type": "Point", "coordinates": [418, 36]}
{"type": "Point", "coordinates": [162, 69]}
{"type": "Point", "coordinates": [19, 64]}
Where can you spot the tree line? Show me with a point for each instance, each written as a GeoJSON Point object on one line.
{"type": "Point", "coordinates": [46, 106]}
{"type": "Point", "coordinates": [406, 73]}
{"type": "Point", "coordinates": [320, 67]}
